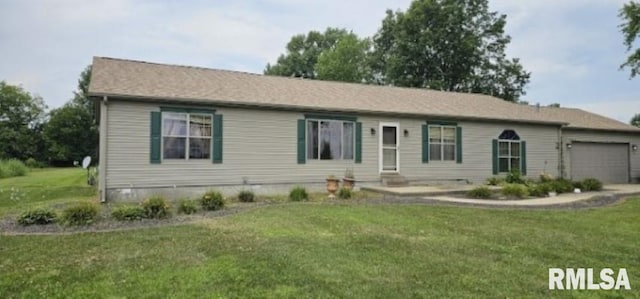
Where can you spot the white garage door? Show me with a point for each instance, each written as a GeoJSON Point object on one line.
{"type": "Point", "coordinates": [607, 162]}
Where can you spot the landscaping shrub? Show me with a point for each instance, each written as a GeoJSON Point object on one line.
{"type": "Point", "coordinates": [480, 192]}
{"type": "Point", "coordinates": [246, 196]}
{"type": "Point", "coordinates": [345, 193]}
{"type": "Point", "coordinates": [187, 207]}
{"type": "Point", "coordinates": [514, 177]}
{"type": "Point", "coordinates": [128, 212]}
{"type": "Point", "coordinates": [80, 214]}
{"type": "Point", "coordinates": [12, 168]}
{"type": "Point", "coordinates": [540, 190]}
{"type": "Point", "coordinates": [515, 190]}
{"type": "Point", "coordinates": [212, 201]}
{"type": "Point", "coordinates": [298, 193]}
{"type": "Point", "coordinates": [545, 178]}
{"type": "Point", "coordinates": [156, 207]}
{"type": "Point", "coordinates": [561, 185]}
{"type": "Point", "coordinates": [495, 181]}
{"type": "Point", "coordinates": [32, 163]}
{"type": "Point", "coordinates": [37, 216]}
{"type": "Point", "coordinates": [577, 184]}
{"type": "Point", "coordinates": [591, 184]}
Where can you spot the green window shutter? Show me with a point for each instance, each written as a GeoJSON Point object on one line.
{"type": "Point", "coordinates": [358, 151]}
{"type": "Point", "coordinates": [494, 154]}
{"type": "Point", "coordinates": [156, 132]}
{"type": "Point", "coordinates": [523, 157]}
{"type": "Point", "coordinates": [217, 139]}
{"type": "Point", "coordinates": [425, 144]}
{"type": "Point", "coordinates": [458, 145]}
{"type": "Point", "coordinates": [302, 126]}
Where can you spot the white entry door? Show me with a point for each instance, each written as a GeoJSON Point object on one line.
{"type": "Point", "coordinates": [389, 147]}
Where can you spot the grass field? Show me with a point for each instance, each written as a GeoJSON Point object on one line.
{"type": "Point", "coordinates": [319, 250]}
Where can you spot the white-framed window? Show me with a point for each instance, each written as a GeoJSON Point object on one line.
{"type": "Point", "coordinates": [186, 135]}
{"type": "Point", "coordinates": [509, 151]}
{"type": "Point", "coordinates": [442, 143]}
{"type": "Point", "coordinates": [330, 139]}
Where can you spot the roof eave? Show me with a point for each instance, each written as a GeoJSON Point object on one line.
{"type": "Point", "coordinates": [240, 104]}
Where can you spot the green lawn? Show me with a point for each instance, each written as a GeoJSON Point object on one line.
{"type": "Point", "coordinates": [320, 250]}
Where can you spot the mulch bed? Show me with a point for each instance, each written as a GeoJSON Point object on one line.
{"type": "Point", "coordinates": [9, 226]}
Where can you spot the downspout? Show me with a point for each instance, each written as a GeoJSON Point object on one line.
{"type": "Point", "coordinates": [102, 166]}
{"type": "Point", "coordinates": [560, 147]}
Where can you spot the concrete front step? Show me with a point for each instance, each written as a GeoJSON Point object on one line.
{"type": "Point", "coordinates": [393, 180]}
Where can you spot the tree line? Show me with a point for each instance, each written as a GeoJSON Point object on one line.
{"type": "Point", "coordinates": [56, 137]}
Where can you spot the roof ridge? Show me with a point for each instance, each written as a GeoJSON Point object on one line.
{"type": "Point", "coordinates": [305, 79]}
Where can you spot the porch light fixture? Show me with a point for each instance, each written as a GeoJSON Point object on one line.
{"type": "Point", "coordinates": [406, 133]}
{"type": "Point", "coordinates": [568, 145]}
{"type": "Point", "coordinates": [373, 131]}
{"type": "Point", "coordinates": [634, 147]}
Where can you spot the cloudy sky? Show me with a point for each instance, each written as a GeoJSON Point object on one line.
{"type": "Point", "coordinates": [572, 47]}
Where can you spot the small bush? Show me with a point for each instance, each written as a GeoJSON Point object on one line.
{"type": "Point", "coordinates": [298, 193]}
{"type": "Point", "coordinates": [187, 207]}
{"type": "Point", "coordinates": [12, 168]}
{"type": "Point", "coordinates": [480, 192]}
{"type": "Point", "coordinates": [540, 190]}
{"type": "Point", "coordinates": [591, 184]}
{"type": "Point", "coordinates": [345, 193]}
{"type": "Point", "coordinates": [561, 185]}
{"type": "Point", "coordinates": [515, 190]}
{"type": "Point", "coordinates": [495, 181]}
{"type": "Point", "coordinates": [37, 216]}
{"type": "Point", "coordinates": [212, 201]}
{"type": "Point", "coordinates": [578, 184]}
{"type": "Point", "coordinates": [156, 207]}
{"type": "Point", "coordinates": [514, 177]}
{"type": "Point", "coordinates": [129, 213]}
{"type": "Point", "coordinates": [545, 177]}
{"type": "Point", "coordinates": [80, 214]}
{"type": "Point", "coordinates": [32, 163]}
{"type": "Point", "coordinates": [246, 196]}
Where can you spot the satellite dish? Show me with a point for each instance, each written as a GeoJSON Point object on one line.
{"type": "Point", "coordinates": [86, 161]}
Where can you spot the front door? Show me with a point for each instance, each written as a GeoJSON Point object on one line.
{"type": "Point", "coordinates": [389, 150]}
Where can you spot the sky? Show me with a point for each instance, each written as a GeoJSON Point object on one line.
{"type": "Point", "coordinates": [573, 48]}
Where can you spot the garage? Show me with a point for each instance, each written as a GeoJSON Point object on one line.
{"type": "Point", "coordinates": [607, 162]}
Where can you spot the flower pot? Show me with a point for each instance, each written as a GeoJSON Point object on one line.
{"type": "Point", "coordinates": [348, 183]}
{"type": "Point", "coordinates": [332, 187]}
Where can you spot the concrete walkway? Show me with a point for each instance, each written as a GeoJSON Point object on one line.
{"type": "Point", "coordinates": [443, 194]}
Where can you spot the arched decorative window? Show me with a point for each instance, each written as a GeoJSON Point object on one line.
{"type": "Point", "coordinates": [509, 153]}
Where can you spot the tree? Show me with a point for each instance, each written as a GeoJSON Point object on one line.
{"type": "Point", "coordinates": [453, 45]}
{"type": "Point", "coordinates": [635, 120]}
{"type": "Point", "coordinates": [347, 61]}
{"type": "Point", "coordinates": [630, 14]}
{"type": "Point", "coordinates": [72, 131]}
{"type": "Point", "coordinates": [303, 52]}
{"type": "Point", "coordinates": [67, 135]}
{"type": "Point", "coordinates": [21, 119]}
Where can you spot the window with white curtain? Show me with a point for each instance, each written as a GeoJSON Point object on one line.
{"type": "Point", "coordinates": [330, 140]}
{"type": "Point", "coordinates": [186, 135]}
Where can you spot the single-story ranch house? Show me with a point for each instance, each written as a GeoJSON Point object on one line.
{"type": "Point", "coordinates": [172, 128]}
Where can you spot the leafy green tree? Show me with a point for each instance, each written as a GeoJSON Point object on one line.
{"type": "Point", "coordinates": [302, 53]}
{"type": "Point", "coordinates": [21, 120]}
{"type": "Point", "coordinates": [72, 131]}
{"type": "Point", "coordinates": [630, 14]}
{"type": "Point", "coordinates": [453, 45]}
{"type": "Point", "coordinates": [67, 135]}
{"type": "Point", "coordinates": [347, 61]}
{"type": "Point", "coordinates": [635, 120]}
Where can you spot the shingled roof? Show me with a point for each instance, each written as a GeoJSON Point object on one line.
{"type": "Point", "coordinates": [144, 80]}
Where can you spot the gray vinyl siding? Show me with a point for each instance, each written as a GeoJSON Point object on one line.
{"type": "Point", "coordinates": [629, 139]}
{"type": "Point", "coordinates": [476, 163]}
{"type": "Point", "coordinates": [260, 148]}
